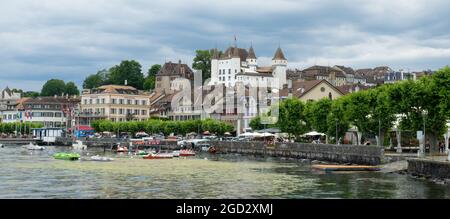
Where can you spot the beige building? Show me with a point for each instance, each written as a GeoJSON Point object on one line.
{"type": "Point", "coordinates": [311, 90]}
{"type": "Point", "coordinates": [166, 78]}
{"type": "Point", "coordinates": [114, 102]}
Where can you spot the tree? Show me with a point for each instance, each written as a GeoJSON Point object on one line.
{"type": "Point", "coordinates": [336, 120]}
{"type": "Point", "coordinates": [30, 94]}
{"type": "Point", "coordinates": [420, 103]}
{"type": "Point", "coordinates": [72, 89]}
{"type": "Point", "coordinates": [96, 80]}
{"type": "Point", "coordinates": [291, 117]}
{"type": "Point", "coordinates": [53, 87]}
{"type": "Point", "coordinates": [149, 83]}
{"type": "Point", "coordinates": [131, 71]}
{"type": "Point", "coordinates": [317, 113]}
{"type": "Point", "coordinates": [202, 61]}
{"type": "Point", "coordinates": [255, 123]}
{"type": "Point", "coordinates": [152, 71]}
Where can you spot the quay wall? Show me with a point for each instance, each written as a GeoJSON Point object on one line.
{"type": "Point", "coordinates": [355, 154]}
{"type": "Point", "coordinates": [429, 168]}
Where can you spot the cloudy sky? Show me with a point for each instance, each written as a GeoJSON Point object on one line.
{"type": "Point", "coordinates": [43, 39]}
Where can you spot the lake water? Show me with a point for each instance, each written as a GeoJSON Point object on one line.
{"type": "Point", "coordinates": [36, 174]}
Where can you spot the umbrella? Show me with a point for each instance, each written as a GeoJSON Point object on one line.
{"type": "Point", "coordinates": [314, 133]}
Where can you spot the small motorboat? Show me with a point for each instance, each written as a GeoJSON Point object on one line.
{"type": "Point", "coordinates": [66, 156]}
{"type": "Point", "coordinates": [78, 145]}
{"type": "Point", "coordinates": [158, 156]}
{"type": "Point", "coordinates": [121, 149]}
{"type": "Point", "coordinates": [32, 146]}
{"type": "Point", "coordinates": [99, 158]}
{"type": "Point", "coordinates": [185, 153]}
{"type": "Point", "coordinates": [176, 153]}
{"type": "Point", "coordinates": [142, 153]}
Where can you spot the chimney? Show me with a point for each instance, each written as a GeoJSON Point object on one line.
{"type": "Point", "coordinates": [126, 82]}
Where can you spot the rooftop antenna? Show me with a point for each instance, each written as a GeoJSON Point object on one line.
{"type": "Point", "coordinates": [235, 41]}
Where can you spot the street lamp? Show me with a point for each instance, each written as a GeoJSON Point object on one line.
{"type": "Point", "coordinates": [422, 148]}
{"type": "Point", "coordinates": [337, 142]}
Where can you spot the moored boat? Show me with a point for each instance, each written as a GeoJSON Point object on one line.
{"type": "Point", "coordinates": [158, 156]}
{"type": "Point", "coordinates": [66, 156]}
{"type": "Point", "coordinates": [185, 153]}
{"type": "Point", "coordinates": [32, 146]}
{"type": "Point", "coordinates": [121, 149]}
{"type": "Point", "coordinates": [99, 158]}
{"type": "Point", "coordinates": [78, 145]}
{"type": "Point", "coordinates": [176, 153]}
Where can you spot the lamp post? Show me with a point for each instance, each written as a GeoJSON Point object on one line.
{"type": "Point", "coordinates": [422, 146]}
{"type": "Point", "coordinates": [337, 142]}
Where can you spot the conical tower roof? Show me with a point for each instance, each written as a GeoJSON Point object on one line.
{"type": "Point", "coordinates": [251, 53]}
{"type": "Point", "coordinates": [279, 55]}
{"type": "Point", "coordinates": [235, 53]}
{"type": "Point", "coordinates": [215, 54]}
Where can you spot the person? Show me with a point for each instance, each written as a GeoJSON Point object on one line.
{"type": "Point", "coordinates": [441, 147]}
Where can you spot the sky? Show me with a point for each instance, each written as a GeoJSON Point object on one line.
{"type": "Point", "coordinates": [45, 39]}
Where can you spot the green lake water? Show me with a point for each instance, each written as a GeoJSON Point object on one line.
{"type": "Point", "coordinates": [36, 174]}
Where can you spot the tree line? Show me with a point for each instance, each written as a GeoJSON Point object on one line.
{"type": "Point", "coordinates": [166, 127]}
{"type": "Point", "coordinates": [414, 103]}
{"type": "Point", "coordinates": [50, 88]}
{"type": "Point", "coordinates": [22, 128]}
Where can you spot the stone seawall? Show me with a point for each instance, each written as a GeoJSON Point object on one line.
{"type": "Point", "coordinates": [429, 168]}
{"type": "Point", "coordinates": [356, 154]}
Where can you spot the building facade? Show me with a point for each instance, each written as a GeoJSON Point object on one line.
{"type": "Point", "coordinates": [115, 103]}
{"type": "Point", "coordinates": [239, 65]}
{"type": "Point", "coordinates": [168, 78]}
{"type": "Point", "coordinates": [52, 112]}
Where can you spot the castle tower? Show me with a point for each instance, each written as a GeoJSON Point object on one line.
{"type": "Point", "coordinates": [279, 65]}
{"type": "Point", "coordinates": [215, 67]}
{"type": "Point", "coordinates": [251, 59]}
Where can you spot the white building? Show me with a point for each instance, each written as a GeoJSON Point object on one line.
{"type": "Point", "coordinates": [239, 65]}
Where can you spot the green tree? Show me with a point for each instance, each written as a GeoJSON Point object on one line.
{"type": "Point", "coordinates": [152, 71]}
{"type": "Point", "coordinates": [255, 123]}
{"type": "Point", "coordinates": [131, 71]}
{"type": "Point", "coordinates": [202, 61]}
{"type": "Point", "coordinates": [72, 89]}
{"type": "Point", "coordinates": [292, 117]}
{"type": "Point", "coordinates": [96, 80]}
{"type": "Point", "coordinates": [317, 114]}
{"type": "Point", "coordinates": [149, 83]}
{"type": "Point", "coordinates": [30, 94]}
{"type": "Point", "coordinates": [53, 87]}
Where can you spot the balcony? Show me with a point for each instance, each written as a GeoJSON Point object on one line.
{"type": "Point", "coordinates": [91, 115]}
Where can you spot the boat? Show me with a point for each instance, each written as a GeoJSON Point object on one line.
{"type": "Point", "coordinates": [121, 149]}
{"type": "Point", "coordinates": [185, 153]}
{"type": "Point", "coordinates": [78, 145]}
{"type": "Point", "coordinates": [345, 168]}
{"type": "Point", "coordinates": [176, 153]}
{"type": "Point", "coordinates": [1, 145]}
{"type": "Point", "coordinates": [99, 158]}
{"type": "Point", "coordinates": [66, 156]}
{"type": "Point", "coordinates": [32, 146]}
{"type": "Point", "coordinates": [158, 156]}
{"type": "Point", "coordinates": [141, 153]}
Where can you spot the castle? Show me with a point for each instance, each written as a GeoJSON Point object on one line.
{"type": "Point", "coordinates": [239, 65]}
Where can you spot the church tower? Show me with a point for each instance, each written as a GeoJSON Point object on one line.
{"type": "Point", "coordinates": [279, 66]}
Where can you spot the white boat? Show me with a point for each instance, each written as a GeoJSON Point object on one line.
{"type": "Point", "coordinates": [99, 158]}
{"type": "Point", "coordinates": [176, 153]}
{"type": "Point", "coordinates": [78, 145]}
{"type": "Point", "coordinates": [32, 146]}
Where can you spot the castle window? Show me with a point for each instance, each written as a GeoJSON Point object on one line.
{"type": "Point", "coordinates": [229, 71]}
